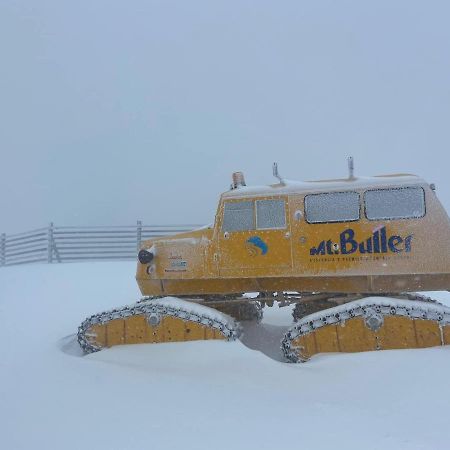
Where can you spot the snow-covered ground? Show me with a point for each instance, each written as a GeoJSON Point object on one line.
{"type": "Point", "coordinates": [198, 395]}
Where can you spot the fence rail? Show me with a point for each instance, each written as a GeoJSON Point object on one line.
{"type": "Point", "coordinates": [68, 244]}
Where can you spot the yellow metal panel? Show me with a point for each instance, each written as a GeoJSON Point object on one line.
{"type": "Point", "coordinates": [262, 282]}
{"type": "Point", "coordinates": [428, 333]}
{"type": "Point", "coordinates": [397, 332]}
{"type": "Point", "coordinates": [136, 329]}
{"type": "Point", "coordinates": [174, 329]}
{"type": "Point", "coordinates": [354, 336]}
{"type": "Point", "coordinates": [327, 339]}
{"type": "Point", "coordinates": [209, 333]}
{"type": "Point", "coordinates": [446, 334]}
{"type": "Point", "coordinates": [115, 332]}
{"type": "Point", "coordinates": [194, 331]}
{"type": "Point", "coordinates": [98, 335]}
{"type": "Point", "coordinates": [213, 333]}
{"type": "Point", "coordinates": [305, 345]}
{"type": "Point", "coordinates": [158, 333]}
{"type": "Point", "coordinates": [218, 334]}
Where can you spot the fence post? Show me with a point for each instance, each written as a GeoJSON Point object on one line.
{"type": "Point", "coordinates": [138, 235]}
{"type": "Point", "coordinates": [3, 250]}
{"type": "Point", "coordinates": [50, 243]}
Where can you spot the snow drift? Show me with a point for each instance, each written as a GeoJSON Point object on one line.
{"type": "Point", "coordinates": [197, 395]}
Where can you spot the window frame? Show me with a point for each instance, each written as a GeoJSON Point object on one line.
{"type": "Point", "coordinates": [396, 189]}
{"type": "Point", "coordinates": [332, 221]}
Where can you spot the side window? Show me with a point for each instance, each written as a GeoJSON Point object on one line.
{"type": "Point", "coordinates": [332, 207]}
{"type": "Point", "coordinates": [398, 203]}
{"type": "Point", "coordinates": [270, 214]}
{"type": "Point", "coordinates": [238, 216]}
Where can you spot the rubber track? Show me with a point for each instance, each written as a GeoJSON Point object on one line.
{"type": "Point", "coordinates": [227, 326]}
{"type": "Point", "coordinates": [425, 309]}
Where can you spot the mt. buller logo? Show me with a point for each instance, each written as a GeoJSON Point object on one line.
{"type": "Point", "coordinates": [379, 242]}
{"type": "Point", "coordinates": [256, 245]}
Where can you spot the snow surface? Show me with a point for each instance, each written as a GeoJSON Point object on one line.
{"type": "Point", "coordinates": [197, 395]}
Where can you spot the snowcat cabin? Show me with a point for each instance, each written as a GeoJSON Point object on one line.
{"type": "Point", "coordinates": [366, 235]}
{"type": "Point", "coordinates": [372, 235]}
{"type": "Point", "coordinates": [358, 235]}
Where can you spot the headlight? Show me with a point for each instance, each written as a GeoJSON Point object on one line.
{"type": "Point", "coordinates": [144, 256]}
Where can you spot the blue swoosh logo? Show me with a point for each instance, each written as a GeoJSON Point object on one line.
{"type": "Point", "coordinates": [259, 243]}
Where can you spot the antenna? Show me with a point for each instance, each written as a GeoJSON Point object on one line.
{"type": "Point", "coordinates": [350, 168]}
{"type": "Point", "coordinates": [275, 172]}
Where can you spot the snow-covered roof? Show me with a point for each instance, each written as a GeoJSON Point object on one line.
{"type": "Point", "coordinates": [294, 187]}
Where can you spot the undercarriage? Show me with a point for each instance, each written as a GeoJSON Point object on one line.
{"type": "Point", "coordinates": [323, 323]}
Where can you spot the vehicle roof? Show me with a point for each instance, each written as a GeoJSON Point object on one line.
{"type": "Point", "coordinates": [306, 187]}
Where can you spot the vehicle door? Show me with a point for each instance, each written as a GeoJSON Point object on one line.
{"type": "Point", "coordinates": [254, 237]}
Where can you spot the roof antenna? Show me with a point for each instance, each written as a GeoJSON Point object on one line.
{"type": "Point", "coordinates": [350, 168]}
{"type": "Point", "coordinates": [276, 174]}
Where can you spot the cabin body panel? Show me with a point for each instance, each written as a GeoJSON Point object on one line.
{"type": "Point", "coordinates": [301, 240]}
{"type": "Point", "coordinates": [186, 256]}
{"type": "Point", "coordinates": [375, 247]}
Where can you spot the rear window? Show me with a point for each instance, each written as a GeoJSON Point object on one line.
{"type": "Point", "coordinates": [332, 207]}
{"type": "Point", "coordinates": [398, 203]}
{"type": "Point", "coordinates": [238, 216]}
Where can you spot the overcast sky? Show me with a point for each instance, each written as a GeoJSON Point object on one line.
{"type": "Point", "coordinates": [116, 111]}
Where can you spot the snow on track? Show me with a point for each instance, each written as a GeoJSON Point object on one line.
{"type": "Point", "coordinates": [196, 395]}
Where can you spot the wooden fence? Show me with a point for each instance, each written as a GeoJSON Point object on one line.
{"type": "Point", "coordinates": [55, 244]}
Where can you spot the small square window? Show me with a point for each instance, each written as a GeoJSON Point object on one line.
{"type": "Point", "coordinates": [238, 216]}
{"type": "Point", "coordinates": [270, 214]}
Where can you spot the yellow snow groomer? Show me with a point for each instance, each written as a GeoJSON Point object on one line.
{"type": "Point", "coordinates": [349, 253]}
